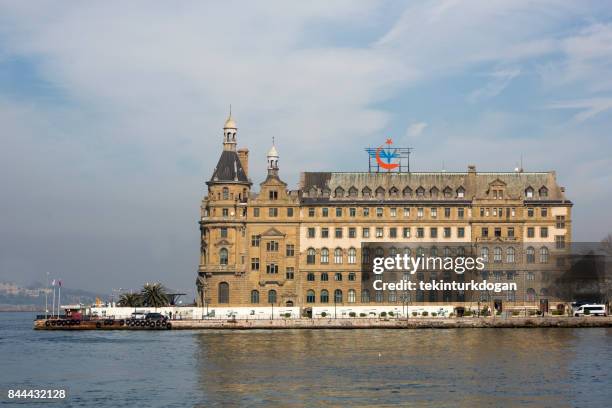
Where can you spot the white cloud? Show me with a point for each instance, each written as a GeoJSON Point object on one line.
{"type": "Point", "coordinates": [499, 80]}
{"type": "Point", "coordinates": [588, 108]}
{"type": "Point", "coordinates": [415, 129]}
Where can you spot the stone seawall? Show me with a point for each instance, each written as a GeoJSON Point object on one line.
{"type": "Point", "coordinates": [416, 323]}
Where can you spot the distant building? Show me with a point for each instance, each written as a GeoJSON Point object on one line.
{"type": "Point", "coordinates": [305, 247]}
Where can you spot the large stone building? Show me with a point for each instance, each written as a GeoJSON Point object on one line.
{"type": "Point", "coordinates": [308, 247]}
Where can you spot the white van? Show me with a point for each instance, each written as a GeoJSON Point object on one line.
{"type": "Point", "coordinates": [593, 310]}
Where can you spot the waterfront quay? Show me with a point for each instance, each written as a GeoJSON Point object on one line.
{"type": "Point", "coordinates": [351, 323]}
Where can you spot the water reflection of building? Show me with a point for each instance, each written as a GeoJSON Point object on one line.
{"type": "Point", "coordinates": [305, 247]}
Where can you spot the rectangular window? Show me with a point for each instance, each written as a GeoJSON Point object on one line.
{"type": "Point", "coordinates": [392, 232]}
{"type": "Point", "coordinates": [544, 212]}
{"type": "Point", "coordinates": [254, 264]}
{"type": "Point", "coordinates": [255, 212]}
{"type": "Point", "coordinates": [434, 212]}
{"type": "Point", "coordinates": [365, 232]}
{"type": "Point", "coordinates": [273, 212]}
{"type": "Point", "coordinates": [393, 212]}
{"type": "Point", "coordinates": [460, 212]}
{"type": "Point", "coordinates": [338, 212]}
{"type": "Point", "coordinates": [406, 232]}
{"type": "Point", "coordinates": [289, 274]}
{"type": "Point", "coordinates": [311, 212]}
{"type": "Point", "coordinates": [510, 232]}
{"type": "Point", "coordinates": [484, 232]}
{"type": "Point", "coordinates": [225, 212]}
{"type": "Point", "coordinates": [366, 212]}
{"type": "Point", "coordinates": [338, 233]}
{"type": "Point", "coordinates": [544, 232]}
{"type": "Point", "coordinates": [530, 232]}
{"type": "Point", "coordinates": [324, 232]}
{"type": "Point", "coordinates": [352, 212]}
{"type": "Point", "coordinates": [433, 232]}
{"type": "Point", "coordinates": [494, 212]}
{"type": "Point", "coordinates": [379, 232]}
{"type": "Point", "coordinates": [460, 232]}
{"type": "Point", "coordinates": [272, 246]}
{"type": "Point", "coordinates": [289, 212]}
{"type": "Point", "coordinates": [272, 269]}
{"type": "Point", "coordinates": [420, 212]}
{"type": "Point", "coordinates": [254, 240]}
{"type": "Point", "coordinates": [223, 232]}
{"type": "Point", "coordinates": [379, 212]}
{"type": "Point", "coordinates": [560, 221]}
{"type": "Point", "coordinates": [290, 250]}
{"type": "Point", "coordinates": [530, 212]}
{"type": "Point", "coordinates": [447, 212]}
{"type": "Point", "coordinates": [273, 195]}
{"type": "Point", "coordinates": [406, 212]}
{"type": "Point", "coordinates": [324, 212]}
{"type": "Point", "coordinates": [352, 232]}
{"type": "Point", "coordinates": [311, 232]}
{"type": "Point", "coordinates": [447, 232]}
{"type": "Point", "coordinates": [497, 232]}
{"type": "Point", "coordinates": [481, 212]}
{"type": "Point", "coordinates": [513, 212]}
{"type": "Point", "coordinates": [420, 232]}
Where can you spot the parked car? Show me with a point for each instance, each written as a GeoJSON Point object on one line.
{"type": "Point", "coordinates": [155, 317]}
{"type": "Point", "coordinates": [138, 316]}
{"type": "Point", "coordinates": [592, 310]}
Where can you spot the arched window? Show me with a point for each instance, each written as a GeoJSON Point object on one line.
{"type": "Point", "coordinates": [324, 255]}
{"type": "Point", "coordinates": [353, 192]}
{"type": "Point", "coordinates": [223, 292]}
{"type": "Point", "coordinates": [529, 192]}
{"type": "Point", "coordinates": [407, 251]}
{"type": "Point", "coordinates": [351, 296]}
{"type": "Point", "coordinates": [434, 251]}
{"type": "Point", "coordinates": [448, 192]}
{"type": "Point", "coordinates": [310, 256]}
{"type": "Point", "coordinates": [225, 193]}
{"type": "Point", "coordinates": [338, 255]}
{"type": "Point", "coordinates": [447, 252]}
{"type": "Point", "coordinates": [407, 192]}
{"type": "Point", "coordinates": [338, 296]}
{"type": "Point", "coordinates": [460, 251]}
{"type": "Point", "coordinates": [530, 295]}
{"type": "Point", "coordinates": [271, 296]}
{"type": "Point", "coordinates": [510, 255]}
{"type": "Point", "coordinates": [324, 296]}
{"type": "Point", "coordinates": [497, 254]}
{"type": "Point", "coordinates": [484, 254]}
{"type": "Point", "coordinates": [543, 192]}
{"type": "Point", "coordinates": [310, 277]}
{"type": "Point", "coordinates": [460, 192]}
{"type": "Point", "coordinates": [339, 192]}
{"type": "Point", "coordinates": [365, 256]}
{"type": "Point", "coordinates": [379, 296]}
{"type": "Point", "coordinates": [530, 255]}
{"type": "Point", "coordinates": [380, 192]}
{"type": "Point", "coordinates": [379, 252]}
{"type": "Point", "coordinates": [366, 192]}
{"type": "Point", "coordinates": [420, 252]}
{"type": "Point", "coordinates": [392, 251]}
{"type": "Point", "coordinates": [310, 296]}
{"type": "Point", "coordinates": [434, 192]}
{"type": "Point", "coordinates": [543, 255]}
{"type": "Point", "coordinates": [393, 192]}
{"type": "Point", "coordinates": [365, 296]}
{"type": "Point", "coordinates": [324, 277]}
{"type": "Point", "coordinates": [254, 296]}
{"type": "Point", "coordinates": [352, 256]}
{"type": "Point", "coordinates": [223, 256]}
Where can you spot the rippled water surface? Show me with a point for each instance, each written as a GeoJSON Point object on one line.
{"type": "Point", "coordinates": [457, 367]}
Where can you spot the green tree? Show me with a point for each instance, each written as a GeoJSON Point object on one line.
{"type": "Point", "coordinates": [154, 295]}
{"type": "Point", "coordinates": [130, 299]}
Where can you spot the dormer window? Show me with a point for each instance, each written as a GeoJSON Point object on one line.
{"type": "Point", "coordinates": [393, 192]}
{"type": "Point", "coordinates": [353, 192]}
{"type": "Point", "coordinates": [366, 192]}
{"type": "Point", "coordinates": [434, 192]}
{"type": "Point", "coordinates": [543, 192]}
{"type": "Point", "coordinates": [326, 192]}
{"type": "Point", "coordinates": [380, 192]}
{"type": "Point", "coordinates": [529, 192]}
{"type": "Point", "coordinates": [420, 192]}
{"type": "Point", "coordinates": [339, 192]}
{"type": "Point", "coordinates": [447, 192]}
{"type": "Point", "coordinates": [273, 195]}
{"type": "Point", "coordinates": [407, 192]}
{"type": "Point", "coordinates": [460, 192]}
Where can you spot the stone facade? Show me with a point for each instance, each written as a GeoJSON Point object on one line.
{"type": "Point", "coordinates": [304, 247]}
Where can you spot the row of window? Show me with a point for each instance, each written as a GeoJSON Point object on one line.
{"type": "Point", "coordinates": [393, 192]}
{"type": "Point", "coordinates": [392, 232]}
{"type": "Point", "coordinates": [324, 277]}
{"type": "Point", "coordinates": [393, 212]}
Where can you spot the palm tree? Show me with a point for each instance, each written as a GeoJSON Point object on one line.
{"type": "Point", "coordinates": [154, 295]}
{"type": "Point", "coordinates": [130, 299]}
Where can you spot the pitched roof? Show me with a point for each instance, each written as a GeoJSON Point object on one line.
{"type": "Point", "coordinates": [229, 169]}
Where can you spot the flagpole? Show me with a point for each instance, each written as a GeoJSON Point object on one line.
{"type": "Point", "coordinates": [59, 297]}
{"type": "Point", "coordinates": [47, 298]}
{"type": "Point", "coordinates": [53, 307]}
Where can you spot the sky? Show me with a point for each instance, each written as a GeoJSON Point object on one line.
{"type": "Point", "coordinates": [111, 113]}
